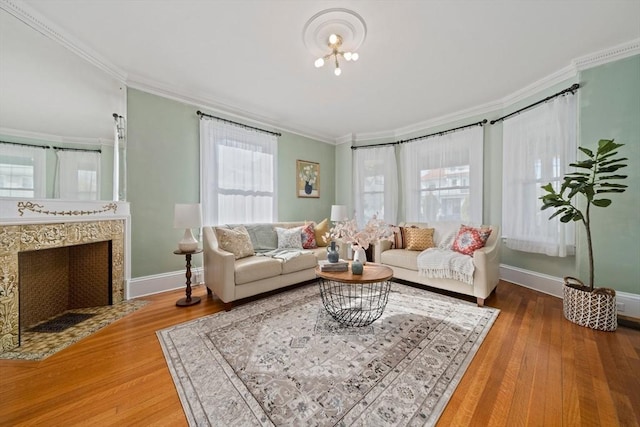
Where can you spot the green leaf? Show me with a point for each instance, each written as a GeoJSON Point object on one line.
{"type": "Point", "coordinates": [586, 151]}
{"type": "Point", "coordinates": [602, 203]}
{"type": "Point", "coordinates": [613, 161]}
{"type": "Point", "coordinates": [606, 145]}
{"type": "Point", "coordinates": [608, 184]}
{"type": "Point", "coordinates": [611, 168]}
{"type": "Point", "coordinates": [568, 217]}
{"type": "Point", "coordinates": [613, 190]}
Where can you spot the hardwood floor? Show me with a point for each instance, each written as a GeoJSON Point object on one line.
{"type": "Point", "coordinates": [534, 368]}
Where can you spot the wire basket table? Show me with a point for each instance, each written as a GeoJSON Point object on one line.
{"type": "Point", "coordinates": [355, 300]}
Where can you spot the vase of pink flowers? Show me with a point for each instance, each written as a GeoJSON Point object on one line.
{"type": "Point", "coordinates": [360, 239]}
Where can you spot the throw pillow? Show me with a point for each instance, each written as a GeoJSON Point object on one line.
{"type": "Point", "coordinates": [309, 237]}
{"type": "Point", "coordinates": [418, 239]}
{"type": "Point", "coordinates": [399, 237]}
{"type": "Point", "coordinates": [236, 241]}
{"type": "Point", "coordinates": [470, 238]}
{"type": "Point", "coordinates": [263, 237]}
{"type": "Point", "coordinates": [289, 238]}
{"type": "Point", "coordinates": [320, 230]}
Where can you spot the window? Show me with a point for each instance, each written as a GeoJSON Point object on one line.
{"type": "Point", "coordinates": [22, 171]}
{"type": "Point", "coordinates": [538, 146]}
{"type": "Point", "coordinates": [443, 177]}
{"type": "Point", "coordinates": [237, 174]}
{"type": "Point", "coordinates": [78, 175]}
{"type": "Point", "coordinates": [376, 184]}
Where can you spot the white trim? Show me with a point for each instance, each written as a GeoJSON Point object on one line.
{"type": "Point", "coordinates": [621, 51]}
{"type": "Point", "coordinates": [31, 17]}
{"type": "Point", "coordinates": [552, 285]}
{"type": "Point", "coordinates": [156, 283]}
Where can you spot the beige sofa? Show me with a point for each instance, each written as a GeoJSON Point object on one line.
{"type": "Point", "coordinates": [233, 279]}
{"type": "Point", "coordinates": [486, 261]}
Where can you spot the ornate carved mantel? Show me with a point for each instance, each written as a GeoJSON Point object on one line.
{"type": "Point", "coordinates": [48, 229]}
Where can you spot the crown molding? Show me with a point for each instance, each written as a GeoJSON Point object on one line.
{"type": "Point", "coordinates": [621, 51]}
{"type": "Point", "coordinates": [227, 110]}
{"type": "Point", "coordinates": [51, 138]}
{"type": "Point", "coordinates": [43, 25]}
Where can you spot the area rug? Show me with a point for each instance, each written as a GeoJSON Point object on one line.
{"type": "Point", "coordinates": [41, 341]}
{"type": "Point", "coordinates": [283, 360]}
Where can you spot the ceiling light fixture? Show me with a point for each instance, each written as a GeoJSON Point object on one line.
{"type": "Point", "coordinates": [342, 30]}
{"type": "Point", "coordinates": [335, 43]}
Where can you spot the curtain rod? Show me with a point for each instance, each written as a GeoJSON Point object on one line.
{"type": "Point", "coordinates": [574, 87]}
{"type": "Point", "coordinates": [23, 144]}
{"type": "Point", "coordinates": [88, 150]}
{"type": "Point", "coordinates": [444, 132]}
{"type": "Point", "coordinates": [201, 114]}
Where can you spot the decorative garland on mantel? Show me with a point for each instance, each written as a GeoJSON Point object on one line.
{"type": "Point", "coordinates": [34, 207]}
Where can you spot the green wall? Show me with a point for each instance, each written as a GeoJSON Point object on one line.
{"type": "Point", "coordinates": [163, 168]}
{"type": "Point", "coordinates": [610, 109]}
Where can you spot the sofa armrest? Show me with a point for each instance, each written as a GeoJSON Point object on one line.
{"type": "Point", "coordinates": [487, 266]}
{"type": "Point", "coordinates": [378, 248]}
{"type": "Point", "coordinates": [219, 267]}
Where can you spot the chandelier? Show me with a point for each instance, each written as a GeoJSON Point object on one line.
{"type": "Point", "coordinates": [335, 42]}
{"type": "Point", "coordinates": [342, 30]}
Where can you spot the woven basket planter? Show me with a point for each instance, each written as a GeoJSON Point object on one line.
{"type": "Point", "coordinates": [594, 309]}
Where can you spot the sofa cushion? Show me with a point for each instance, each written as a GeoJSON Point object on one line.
{"type": "Point", "coordinates": [255, 268]}
{"type": "Point", "coordinates": [418, 239]}
{"type": "Point", "coordinates": [263, 236]}
{"type": "Point", "coordinates": [309, 236]}
{"type": "Point", "coordinates": [400, 258]}
{"type": "Point", "coordinates": [320, 252]}
{"type": "Point", "coordinates": [289, 238]}
{"type": "Point", "coordinates": [321, 229]}
{"type": "Point", "coordinates": [303, 261]}
{"type": "Point", "coordinates": [236, 241]}
{"type": "Point", "coordinates": [469, 239]}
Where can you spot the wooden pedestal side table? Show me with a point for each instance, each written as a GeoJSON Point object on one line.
{"type": "Point", "coordinates": [355, 300]}
{"type": "Point", "coordinates": [186, 302]}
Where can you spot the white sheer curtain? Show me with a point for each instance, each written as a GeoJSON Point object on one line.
{"type": "Point", "coordinates": [442, 177]}
{"type": "Point", "coordinates": [78, 175]}
{"type": "Point", "coordinates": [22, 171]}
{"type": "Point", "coordinates": [237, 174]}
{"type": "Point", "coordinates": [375, 178]}
{"type": "Point", "coordinates": [538, 145]}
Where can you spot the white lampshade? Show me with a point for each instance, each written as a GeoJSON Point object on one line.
{"type": "Point", "coordinates": [187, 216]}
{"type": "Point", "coordinates": [339, 213]}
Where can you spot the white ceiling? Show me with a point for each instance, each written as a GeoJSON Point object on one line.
{"type": "Point", "coordinates": [421, 60]}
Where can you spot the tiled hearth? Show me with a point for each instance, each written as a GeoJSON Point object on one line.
{"type": "Point", "coordinates": [55, 229]}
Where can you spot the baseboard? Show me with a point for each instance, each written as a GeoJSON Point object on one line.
{"type": "Point", "coordinates": [149, 285]}
{"type": "Point", "coordinates": [628, 303]}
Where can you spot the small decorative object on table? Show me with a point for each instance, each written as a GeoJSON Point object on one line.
{"type": "Point", "coordinates": [357, 267]}
{"type": "Point", "coordinates": [188, 300]}
{"type": "Point", "coordinates": [340, 265]}
{"type": "Point", "coordinates": [360, 239]}
{"type": "Point", "coordinates": [332, 252]}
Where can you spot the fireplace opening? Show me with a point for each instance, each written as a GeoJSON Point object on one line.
{"type": "Point", "coordinates": [53, 281]}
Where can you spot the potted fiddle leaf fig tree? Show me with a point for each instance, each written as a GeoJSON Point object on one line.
{"type": "Point", "coordinates": [594, 179]}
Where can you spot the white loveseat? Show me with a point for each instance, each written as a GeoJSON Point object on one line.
{"type": "Point", "coordinates": [486, 260]}
{"type": "Point", "coordinates": [232, 279]}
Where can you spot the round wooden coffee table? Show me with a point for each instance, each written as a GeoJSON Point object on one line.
{"type": "Point", "coordinates": [355, 300]}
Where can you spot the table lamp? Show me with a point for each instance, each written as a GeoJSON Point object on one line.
{"type": "Point", "coordinates": [187, 216]}
{"type": "Point", "coordinates": [339, 213]}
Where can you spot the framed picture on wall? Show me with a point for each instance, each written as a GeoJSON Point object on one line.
{"type": "Point", "coordinates": [307, 179]}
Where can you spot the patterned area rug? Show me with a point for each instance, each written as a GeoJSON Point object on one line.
{"type": "Point", "coordinates": [40, 341]}
{"type": "Point", "coordinates": [283, 360]}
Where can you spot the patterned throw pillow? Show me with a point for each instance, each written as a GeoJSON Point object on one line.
{"type": "Point", "coordinates": [399, 237]}
{"type": "Point", "coordinates": [320, 230]}
{"type": "Point", "coordinates": [309, 237]}
{"type": "Point", "coordinates": [470, 238]}
{"type": "Point", "coordinates": [236, 241]}
{"type": "Point", "coordinates": [418, 239]}
{"type": "Point", "coordinates": [289, 238]}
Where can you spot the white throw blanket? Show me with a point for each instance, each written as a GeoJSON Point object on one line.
{"type": "Point", "coordinates": [283, 254]}
{"type": "Point", "coordinates": [446, 264]}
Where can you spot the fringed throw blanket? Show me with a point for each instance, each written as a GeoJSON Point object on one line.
{"type": "Point", "coordinates": [283, 254]}
{"type": "Point", "coordinates": [446, 264]}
